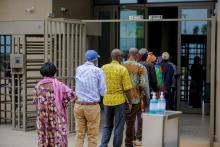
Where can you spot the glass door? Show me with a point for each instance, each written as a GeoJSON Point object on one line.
{"type": "Point", "coordinates": [108, 38]}
{"type": "Point", "coordinates": [193, 89]}
{"type": "Point", "coordinates": [131, 34]}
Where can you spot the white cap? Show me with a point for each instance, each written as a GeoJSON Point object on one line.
{"type": "Point", "coordinates": [161, 94]}
{"type": "Point", "coordinates": [154, 94]}
{"type": "Point", "coordinates": [165, 56]}
{"type": "Point", "coordinates": [143, 51]}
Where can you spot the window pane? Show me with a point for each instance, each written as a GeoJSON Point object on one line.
{"type": "Point", "coordinates": [131, 33]}
{"type": "Point", "coordinates": [2, 38]}
{"type": "Point", "coordinates": [8, 40]}
{"type": "Point", "coordinates": [194, 27]}
{"type": "Point", "coordinates": [2, 49]}
{"type": "Point", "coordinates": [156, 1]}
{"type": "Point", "coordinates": [8, 49]}
{"type": "Point", "coordinates": [128, 1]}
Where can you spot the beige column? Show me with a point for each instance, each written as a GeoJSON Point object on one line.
{"type": "Point", "coordinates": [217, 123]}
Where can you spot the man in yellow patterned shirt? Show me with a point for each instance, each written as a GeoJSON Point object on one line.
{"type": "Point", "coordinates": [118, 94]}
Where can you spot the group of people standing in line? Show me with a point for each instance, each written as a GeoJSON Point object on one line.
{"type": "Point", "coordinates": [125, 88]}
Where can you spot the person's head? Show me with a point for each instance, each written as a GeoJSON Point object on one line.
{"type": "Point", "coordinates": [165, 56]}
{"type": "Point", "coordinates": [197, 60]}
{"type": "Point", "coordinates": [48, 69]}
{"type": "Point", "coordinates": [92, 56]}
{"type": "Point", "coordinates": [143, 54]}
{"type": "Point", "coordinates": [151, 58]}
{"type": "Point", "coordinates": [133, 52]}
{"type": "Point", "coordinates": [116, 55]}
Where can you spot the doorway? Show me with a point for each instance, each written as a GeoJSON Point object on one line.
{"type": "Point", "coordinates": [194, 84]}
{"type": "Point", "coordinates": [162, 36]}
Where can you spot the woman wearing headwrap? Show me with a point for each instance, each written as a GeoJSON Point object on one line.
{"type": "Point", "coordinates": [51, 98]}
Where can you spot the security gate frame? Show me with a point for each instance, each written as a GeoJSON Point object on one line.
{"type": "Point", "coordinates": [63, 43]}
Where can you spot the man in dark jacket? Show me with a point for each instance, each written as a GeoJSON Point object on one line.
{"type": "Point", "coordinates": [167, 74]}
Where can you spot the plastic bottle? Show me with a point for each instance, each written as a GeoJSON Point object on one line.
{"type": "Point", "coordinates": [161, 104]}
{"type": "Point", "coordinates": [153, 104]}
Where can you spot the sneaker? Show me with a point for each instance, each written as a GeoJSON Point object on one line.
{"type": "Point", "coordinates": [138, 143]}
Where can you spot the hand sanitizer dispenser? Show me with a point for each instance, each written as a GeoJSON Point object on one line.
{"type": "Point", "coordinates": [153, 104]}
{"type": "Point", "coordinates": [161, 104]}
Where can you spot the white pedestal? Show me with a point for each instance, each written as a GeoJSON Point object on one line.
{"type": "Point", "coordinates": [161, 130]}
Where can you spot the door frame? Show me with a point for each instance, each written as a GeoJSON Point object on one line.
{"type": "Point", "coordinates": [114, 14]}
{"type": "Point", "coordinates": [208, 53]}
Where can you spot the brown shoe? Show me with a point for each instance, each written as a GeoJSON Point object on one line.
{"type": "Point", "coordinates": [138, 143]}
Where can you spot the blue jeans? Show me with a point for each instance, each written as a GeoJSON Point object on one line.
{"type": "Point", "coordinates": [117, 114]}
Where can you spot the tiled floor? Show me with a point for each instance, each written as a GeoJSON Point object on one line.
{"type": "Point", "coordinates": [193, 133]}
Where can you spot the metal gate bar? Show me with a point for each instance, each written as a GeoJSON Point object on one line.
{"type": "Point", "coordinates": [5, 92]}
{"type": "Point", "coordinates": [64, 47]}
{"type": "Point", "coordinates": [18, 85]}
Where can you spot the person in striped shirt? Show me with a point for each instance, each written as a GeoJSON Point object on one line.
{"type": "Point", "coordinates": [90, 84]}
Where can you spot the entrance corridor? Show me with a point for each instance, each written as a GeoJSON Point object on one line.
{"type": "Point", "coordinates": [193, 133]}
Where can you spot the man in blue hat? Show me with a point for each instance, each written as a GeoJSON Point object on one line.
{"type": "Point", "coordinates": [90, 84]}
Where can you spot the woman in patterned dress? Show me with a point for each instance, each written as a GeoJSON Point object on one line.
{"type": "Point", "coordinates": [51, 98]}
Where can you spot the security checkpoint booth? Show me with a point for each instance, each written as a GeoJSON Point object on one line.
{"type": "Point", "coordinates": [28, 44]}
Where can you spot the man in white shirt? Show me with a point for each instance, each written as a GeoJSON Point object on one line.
{"type": "Point", "coordinates": [90, 84]}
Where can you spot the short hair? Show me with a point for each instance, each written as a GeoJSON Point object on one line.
{"type": "Point", "coordinates": [48, 69]}
{"type": "Point", "coordinates": [115, 52]}
{"type": "Point", "coordinates": [143, 51]}
{"type": "Point", "coordinates": [133, 51]}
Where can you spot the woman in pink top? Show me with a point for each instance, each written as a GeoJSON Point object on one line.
{"type": "Point", "coordinates": [51, 98]}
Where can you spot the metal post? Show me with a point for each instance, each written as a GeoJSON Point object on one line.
{"type": "Point", "coordinates": [84, 40]}
{"type": "Point", "coordinates": [213, 81]}
{"type": "Point", "coordinates": [13, 87]}
{"type": "Point", "coordinates": [18, 91]}
{"type": "Point", "coordinates": [55, 43]}
{"type": "Point", "coordinates": [80, 44]}
{"type": "Point", "coordinates": [24, 84]}
{"type": "Point", "coordinates": [64, 50]}
{"type": "Point", "coordinates": [76, 45]}
{"type": "Point", "coordinates": [60, 53]}
{"type": "Point", "coordinates": [5, 96]}
{"type": "Point", "coordinates": [72, 53]}
{"type": "Point", "coordinates": [46, 41]}
{"type": "Point", "coordinates": [51, 40]}
{"type": "Point", "coordinates": [72, 74]}
{"type": "Point", "coordinates": [68, 53]}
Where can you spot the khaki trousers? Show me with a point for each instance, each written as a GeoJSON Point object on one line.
{"type": "Point", "coordinates": [87, 119]}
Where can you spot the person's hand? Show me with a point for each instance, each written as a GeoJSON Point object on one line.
{"type": "Point", "coordinates": [74, 99]}
{"type": "Point", "coordinates": [129, 107]}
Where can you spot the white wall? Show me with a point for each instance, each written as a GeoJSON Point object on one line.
{"type": "Point", "coordinates": [15, 9]}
